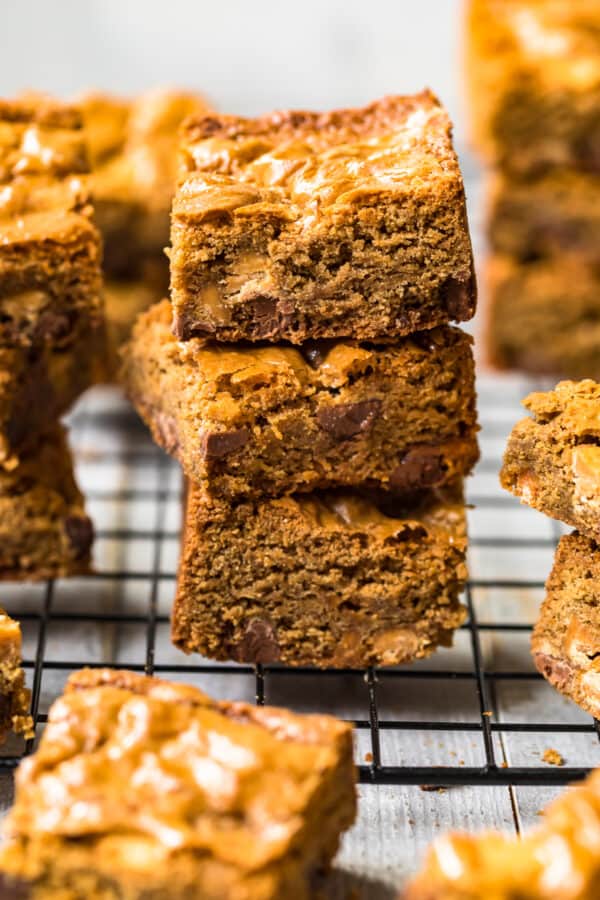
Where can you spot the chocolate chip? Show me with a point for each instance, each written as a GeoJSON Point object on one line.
{"type": "Point", "coordinates": [315, 352]}
{"type": "Point", "coordinates": [347, 419]}
{"type": "Point", "coordinates": [458, 297]}
{"type": "Point", "coordinates": [217, 444]}
{"type": "Point", "coordinates": [423, 340]}
{"type": "Point", "coordinates": [259, 643]}
{"type": "Point", "coordinates": [557, 671]}
{"type": "Point", "coordinates": [270, 316]}
{"type": "Point", "coordinates": [52, 326]}
{"type": "Point", "coordinates": [80, 532]}
{"type": "Point", "coordinates": [13, 888]}
{"type": "Point", "coordinates": [167, 431]}
{"type": "Point", "coordinates": [185, 328]}
{"type": "Point", "coordinates": [421, 467]}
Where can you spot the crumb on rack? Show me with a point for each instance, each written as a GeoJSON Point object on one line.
{"type": "Point", "coordinates": [552, 757]}
{"type": "Point", "coordinates": [369, 757]}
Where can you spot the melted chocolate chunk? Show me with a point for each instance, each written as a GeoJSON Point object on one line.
{"type": "Point", "coordinates": [347, 419]}
{"type": "Point", "coordinates": [421, 467]}
{"type": "Point", "coordinates": [216, 445]}
{"type": "Point", "coordinates": [185, 328]}
{"type": "Point", "coordinates": [80, 533]}
{"type": "Point", "coordinates": [259, 643]}
{"type": "Point", "coordinates": [458, 297]}
{"type": "Point", "coordinates": [270, 316]}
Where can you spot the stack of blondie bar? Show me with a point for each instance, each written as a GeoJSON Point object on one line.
{"type": "Point", "coordinates": [534, 80]}
{"type": "Point", "coordinates": [553, 464]}
{"type": "Point", "coordinates": [51, 334]}
{"type": "Point", "coordinates": [306, 376]}
{"type": "Point", "coordinates": [133, 149]}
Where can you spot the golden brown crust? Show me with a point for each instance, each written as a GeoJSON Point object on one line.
{"type": "Point", "coordinates": [320, 129]}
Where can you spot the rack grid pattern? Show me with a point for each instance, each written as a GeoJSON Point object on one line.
{"type": "Point", "coordinates": [119, 617]}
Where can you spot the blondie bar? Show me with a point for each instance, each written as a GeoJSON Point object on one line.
{"type": "Point", "coordinates": [552, 461]}
{"type": "Point", "coordinates": [134, 159]}
{"type": "Point", "coordinates": [533, 71]}
{"type": "Point", "coordinates": [303, 225]}
{"type": "Point", "coordinates": [38, 385]}
{"type": "Point", "coordinates": [544, 316]}
{"type": "Point", "coordinates": [44, 530]}
{"type": "Point", "coordinates": [253, 419]}
{"type": "Point", "coordinates": [566, 638]}
{"type": "Point", "coordinates": [143, 788]}
{"type": "Point", "coordinates": [549, 216]}
{"type": "Point", "coordinates": [50, 278]}
{"type": "Point", "coordinates": [328, 579]}
{"type": "Point", "coordinates": [14, 696]}
{"type": "Point", "coordinates": [124, 301]}
{"type": "Point", "coordinates": [558, 860]}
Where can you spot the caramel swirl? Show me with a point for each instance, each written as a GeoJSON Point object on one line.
{"type": "Point", "coordinates": [128, 755]}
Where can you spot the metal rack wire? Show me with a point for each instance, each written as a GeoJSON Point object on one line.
{"type": "Point", "coordinates": [122, 471]}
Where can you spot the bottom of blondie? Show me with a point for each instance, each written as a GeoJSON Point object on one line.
{"type": "Point", "coordinates": [146, 789]}
{"type": "Point", "coordinates": [14, 696]}
{"type": "Point", "coordinates": [44, 530]}
{"type": "Point", "coordinates": [566, 638]}
{"type": "Point", "coordinates": [330, 579]}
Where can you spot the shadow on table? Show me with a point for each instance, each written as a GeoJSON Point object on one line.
{"type": "Point", "coordinates": [352, 886]}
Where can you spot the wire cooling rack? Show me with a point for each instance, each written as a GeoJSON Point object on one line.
{"type": "Point", "coordinates": [475, 714]}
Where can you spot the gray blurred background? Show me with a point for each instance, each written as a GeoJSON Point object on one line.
{"type": "Point", "coordinates": [248, 56]}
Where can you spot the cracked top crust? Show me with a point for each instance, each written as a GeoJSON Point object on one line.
{"type": "Point", "coordinates": [302, 164]}
{"type": "Point", "coordinates": [42, 160]}
{"type": "Point", "coordinates": [575, 404]}
{"type": "Point", "coordinates": [168, 769]}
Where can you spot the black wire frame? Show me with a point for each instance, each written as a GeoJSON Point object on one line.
{"type": "Point", "coordinates": [494, 771]}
